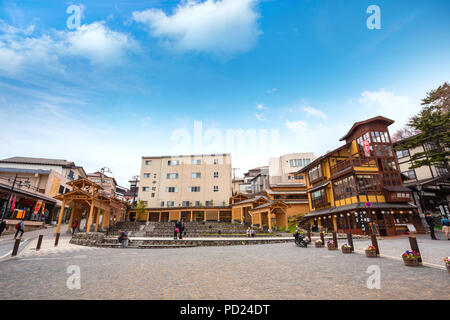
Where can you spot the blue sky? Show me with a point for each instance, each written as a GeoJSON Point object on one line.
{"type": "Point", "coordinates": [137, 72]}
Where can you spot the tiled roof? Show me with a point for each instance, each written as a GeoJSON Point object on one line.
{"type": "Point", "coordinates": [44, 161]}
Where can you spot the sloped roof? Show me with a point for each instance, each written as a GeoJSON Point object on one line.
{"type": "Point", "coordinates": [360, 123]}
{"type": "Point", "coordinates": [44, 161]}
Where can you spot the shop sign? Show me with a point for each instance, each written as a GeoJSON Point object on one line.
{"type": "Point", "coordinates": [37, 207]}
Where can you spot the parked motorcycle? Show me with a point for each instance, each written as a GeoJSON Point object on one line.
{"type": "Point", "coordinates": [300, 239]}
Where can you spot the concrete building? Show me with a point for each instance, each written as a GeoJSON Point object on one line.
{"type": "Point", "coordinates": [108, 184]}
{"type": "Point", "coordinates": [48, 177]}
{"type": "Point", "coordinates": [186, 181]}
{"type": "Point", "coordinates": [283, 168]}
{"type": "Point", "coordinates": [430, 184]}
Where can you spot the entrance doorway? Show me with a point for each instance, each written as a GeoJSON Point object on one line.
{"type": "Point", "coordinates": [381, 223]}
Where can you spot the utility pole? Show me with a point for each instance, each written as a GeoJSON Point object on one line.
{"type": "Point", "coordinates": [6, 208]}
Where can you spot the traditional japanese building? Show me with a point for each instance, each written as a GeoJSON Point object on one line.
{"type": "Point", "coordinates": [358, 188]}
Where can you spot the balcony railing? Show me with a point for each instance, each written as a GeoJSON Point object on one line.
{"type": "Point", "coordinates": [356, 162]}
{"type": "Point", "coordinates": [319, 202]}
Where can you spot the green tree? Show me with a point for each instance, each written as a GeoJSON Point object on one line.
{"type": "Point", "coordinates": [433, 126]}
{"type": "Point", "coordinates": [141, 211]}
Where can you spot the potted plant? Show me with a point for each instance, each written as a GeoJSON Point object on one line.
{"type": "Point", "coordinates": [411, 258]}
{"type": "Point", "coordinates": [346, 248]}
{"type": "Point", "coordinates": [331, 245]}
{"type": "Point", "coordinates": [371, 252]}
{"type": "Point", "coordinates": [318, 243]}
{"type": "Point", "coordinates": [447, 263]}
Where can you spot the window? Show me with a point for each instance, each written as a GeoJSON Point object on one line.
{"type": "Point", "coordinates": [411, 174]}
{"type": "Point", "coordinates": [197, 203]}
{"type": "Point", "coordinates": [145, 202]}
{"type": "Point", "coordinates": [61, 190]}
{"type": "Point", "coordinates": [216, 189]}
{"type": "Point", "coordinates": [196, 175]}
{"type": "Point", "coordinates": [216, 174]}
{"type": "Point", "coordinates": [71, 175]}
{"type": "Point", "coordinates": [153, 195]}
{"type": "Point", "coordinates": [196, 161]}
{"type": "Point", "coordinates": [194, 189]}
{"type": "Point", "coordinates": [344, 188]}
{"type": "Point", "coordinates": [148, 162]}
{"type": "Point", "coordinates": [173, 162]}
{"type": "Point", "coordinates": [171, 189]}
{"type": "Point", "coordinates": [145, 188]}
{"type": "Point", "coordinates": [216, 161]}
{"type": "Point", "coordinates": [441, 171]}
{"type": "Point", "coordinates": [402, 153]}
{"type": "Point", "coordinates": [315, 173]}
{"type": "Point", "coordinates": [186, 203]}
{"type": "Point", "coordinates": [153, 188]}
{"type": "Point", "coordinates": [368, 183]}
{"type": "Point", "coordinates": [172, 176]}
{"type": "Point", "coordinates": [318, 198]}
{"type": "Point", "coordinates": [162, 203]}
{"type": "Point", "coordinates": [299, 162]}
{"type": "Point", "coordinates": [170, 203]}
{"type": "Point", "coordinates": [67, 190]}
{"type": "Point", "coordinates": [146, 175]}
{"type": "Point", "coordinates": [209, 203]}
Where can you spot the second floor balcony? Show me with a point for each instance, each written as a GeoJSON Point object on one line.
{"type": "Point", "coordinates": [348, 164]}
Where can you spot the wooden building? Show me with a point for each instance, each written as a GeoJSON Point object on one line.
{"type": "Point", "coordinates": [358, 188]}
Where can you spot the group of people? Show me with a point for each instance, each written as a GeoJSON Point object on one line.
{"type": "Point", "coordinates": [445, 223]}
{"type": "Point", "coordinates": [251, 232]}
{"type": "Point", "coordinates": [179, 229]}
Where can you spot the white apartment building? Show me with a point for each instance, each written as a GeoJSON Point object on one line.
{"type": "Point", "coordinates": [186, 181]}
{"type": "Point", "coordinates": [281, 168]}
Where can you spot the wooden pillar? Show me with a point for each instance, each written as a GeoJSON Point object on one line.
{"type": "Point", "coordinates": [97, 220]}
{"type": "Point", "coordinates": [286, 222]}
{"type": "Point", "coordinates": [105, 219]}
{"type": "Point", "coordinates": [72, 213]}
{"type": "Point", "coordinates": [148, 215]}
{"type": "Point", "coordinates": [192, 215]}
{"type": "Point", "coordinates": [160, 213]}
{"type": "Point", "coordinates": [334, 224]}
{"type": "Point", "coordinates": [61, 212]}
{"type": "Point", "coordinates": [88, 228]}
{"type": "Point", "coordinates": [242, 214]}
{"type": "Point", "coordinates": [269, 219]}
{"type": "Point", "coordinates": [179, 215]}
{"type": "Point", "coordinates": [218, 215]}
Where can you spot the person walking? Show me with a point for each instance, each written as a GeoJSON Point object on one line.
{"type": "Point", "coordinates": [176, 229]}
{"type": "Point", "coordinates": [182, 228]}
{"type": "Point", "coordinates": [445, 226]}
{"type": "Point", "coordinates": [430, 221]}
{"type": "Point", "coordinates": [74, 225]}
{"type": "Point", "coordinates": [2, 226]}
{"type": "Point", "coordinates": [19, 227]}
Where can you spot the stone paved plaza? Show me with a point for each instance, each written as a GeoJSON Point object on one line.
{"type": "Point", "coordinates": [274, 271]}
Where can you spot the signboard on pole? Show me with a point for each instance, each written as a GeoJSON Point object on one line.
{"type": "Point", "coordinates": [37, 207]}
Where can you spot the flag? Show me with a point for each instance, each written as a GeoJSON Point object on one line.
{"type": "Point", "coordinates": [14, 204]}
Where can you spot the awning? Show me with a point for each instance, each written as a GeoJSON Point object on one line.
{"type": "Point", "coordinates": [320, 186]}
{"type": "Point", "coordinates": [361, 206]}
{"type": "Point", "coordinates": [397, 189]}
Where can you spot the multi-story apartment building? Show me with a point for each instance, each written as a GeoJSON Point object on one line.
{"type": "Point", "coordinates": [108, 184]}
{"type": "Point", "coordinates": [47, 177]}
{"type": "Point", "coordinates": [186, 181]}
{"type": "Point", "coordinates": [358, 188]}
{"type": "Point", "coordinates": [430, 184]}
{"type": "Point", "coordinates": [283, 168]}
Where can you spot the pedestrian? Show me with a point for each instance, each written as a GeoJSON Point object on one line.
{"type": "Point", "coordinates": [123, 238]}
{"type": "Point", "coordinates": [430, 221]}
{"type": "Point", "coordinates": [445, 226]}
{"type": "Point", "coordinates": [249, 232]}
{"type": "Point", "coordinates": [74, 225]}
{"type": "Point", "coordinates": [182, 228]}
{"type": "Point", "coordinates": [176, 229]}
{"type": "Point", "coordinates": [19, 227]}
{"type": "Point", "coordinates": [2, 226]}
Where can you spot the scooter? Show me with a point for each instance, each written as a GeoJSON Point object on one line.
{"type": "Point", "coordinates": [300, 239]}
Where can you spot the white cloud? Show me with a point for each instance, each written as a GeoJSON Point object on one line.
{"type": "Point", "coordinates": [388, 104]}
{"type": "Point", "coordinates": [260, 106]}
{"type": "Point", "coordinates": [25, 51]}
{"type": "Point", "coordinates": [260, 117]}
{"type": "Point", "coordinates": [273, 90]}
{"type": "Point", "coordinates": [146, 121]}
{"type": "Point", "coordinates": [219, 27]}
{"type": "Point", "coordinates": [297, 127]}
{"type": "Point", "coordinates": [314, 112]}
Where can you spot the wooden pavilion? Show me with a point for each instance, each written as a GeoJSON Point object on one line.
{"type": "Point", "coordinates": [89, 196]}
